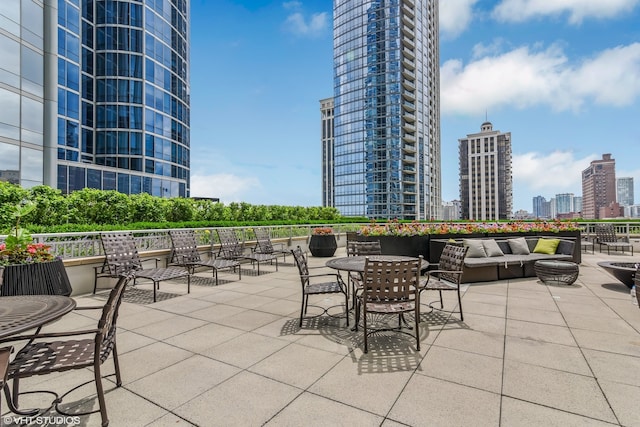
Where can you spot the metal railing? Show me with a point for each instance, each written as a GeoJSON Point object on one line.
{"type": "Point", "coordinates": [87, 244]}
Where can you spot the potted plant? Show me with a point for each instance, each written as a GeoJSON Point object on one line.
{"type": "Point", "coordinates": [323, 242]}
{"type": "Point", "coordinates": [28, 268]}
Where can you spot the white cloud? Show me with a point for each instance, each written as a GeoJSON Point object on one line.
{"type": "Point", "coordinates": [455, 16]}
{"type": "Point", "coordinates": [578, 10]}
{"type": "Point", "coordinates": [227, 187]}
{"type": "Point", "coordinates": [292, 5]}
{"type": "Point", "coordinates": [315, 25]}
{"type": "Point", "coordinates": [556, 172]}
{"type": "Point", "coordinates": [523, 78]}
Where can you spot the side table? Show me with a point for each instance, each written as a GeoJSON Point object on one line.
{"type": "Point", "coordinates": [552, 272]}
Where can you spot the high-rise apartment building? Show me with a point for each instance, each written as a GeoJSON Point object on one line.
{"type": "Point", "coordinates": [326, 131]}
{"type": "Point", "coordinates": [624, 192]}
{"type": "Point", "coordinates": [598, 186]}
{"type": "Point", "coordinates": [97, 94]}
{"type": "Point", "coordinates": [485, 174]}
{"type": "Point", "coordinates": [387, 108]}
{"type": "Point", "coordinates": [540, 207]}
{"type": "Point", "coordinates": [564, 203]}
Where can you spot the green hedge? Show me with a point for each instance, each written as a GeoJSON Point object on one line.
{"type": "Point", "coordinates": [99, 210]}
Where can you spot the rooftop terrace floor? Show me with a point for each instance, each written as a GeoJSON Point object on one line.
{"type": "Point", "coordinates": [233, 355]}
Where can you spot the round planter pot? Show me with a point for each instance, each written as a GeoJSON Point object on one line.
{"type": "Point", "coordinates": [43, 278]}
{"type": "Point", "coordinates": [323, 245]}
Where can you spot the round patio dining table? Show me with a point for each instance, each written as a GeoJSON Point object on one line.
{"type": "Point", "coordinates": [23, 312]}
{"type": "Point", "coordinates": [356, 263]}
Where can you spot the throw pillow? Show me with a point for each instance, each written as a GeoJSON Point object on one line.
{"type": "Point", "coordinates": [546, 246]}
{"type": "Point", "coordinates": [519, 246]}
{"type": "Point", "coordinates": [476, 248]}
{"type": "Point", "coordinates": [491, 248]}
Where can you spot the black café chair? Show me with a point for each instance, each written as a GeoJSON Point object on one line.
{"type": "Point", "coordinates": [80, 349]}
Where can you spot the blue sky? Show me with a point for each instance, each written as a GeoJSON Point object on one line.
{"type": "Point", "coordinates": [562, 76]}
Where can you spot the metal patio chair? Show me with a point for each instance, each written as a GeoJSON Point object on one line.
{"type": "Point", "coordinates": [232, 249]}
{"type": "Point", "coordinates": [184, 253]}
{"type": "Point", "coordinates": [265, 246]}
{"type": "Point", "coordinates": [79, 350]}
{"type": "Point", "coordinates": [121, 256]}
{"type": "Point", "coordinates": [606, 236]}
{"type": "Point", "coordinates": [448, 275]}
{"type": "Point", "coordinates": [390, 288]}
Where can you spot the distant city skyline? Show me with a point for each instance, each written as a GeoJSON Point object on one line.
{"type": "Point", "coordinates": [563, 78]}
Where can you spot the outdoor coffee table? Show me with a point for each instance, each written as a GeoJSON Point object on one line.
{"type": "Point", "coordinates": [552, 272]}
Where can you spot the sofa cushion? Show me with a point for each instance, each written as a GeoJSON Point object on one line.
{"type": "Point", "coordinates": [476, 248]}
{"type": "Point", "coordinates": [519, 246]}
{"type": "Point", "coordinates": [546, 246]}
{"type": "Point", "coordinates": [491, 248]}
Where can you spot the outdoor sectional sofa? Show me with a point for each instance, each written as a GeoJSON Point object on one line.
{"type": "Point", "coordinates": [509, 265]}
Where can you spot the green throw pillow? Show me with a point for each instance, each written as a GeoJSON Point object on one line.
{"type": "Point", "coordinates": [546, 246]}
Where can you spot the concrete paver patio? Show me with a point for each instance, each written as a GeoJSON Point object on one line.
{"type": "Point", "coordinates": [233, 355]}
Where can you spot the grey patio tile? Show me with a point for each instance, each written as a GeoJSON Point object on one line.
{"type": "Point", "coordinates": [246, 399]}
{"type": "Point", "coordinates": [540, 302]}
{"type": "Point", "coordinates": [549, 317]}
{"type": "Point", "coordinates": [338, 339]}
{"type": "Point", "coordinates": [597, 310]}
{"type": "Point", "coordinates": [146, 360]}
{"type": "Point", "coordinates": [169, 327]}
{"type": "Point", "coordinates": [487, 309]}
{"type": "Point", "coordinates": [216, 312]}
{"type": "Point", "coordinates": [554, 356]}
{"type": "Point", "coordinates": [540, 332]}
{"type": "Point", "coordinates": [281, 307]}
{"type": "Point", "coordinates": [251, 301]}
{"type": "Point", "coordinates": [493, 288]}
{"type": "Point", "coordinates": [183, 305]}
{"type": "Point", "coordinates": [472, 341]}
{"type": "Point", "coordinates": [183, 381]}
{"type": "Point", "coordinates": [378, 382]}
{"type": "Point", "coordinates": [478, 322]}
{"type": "Point", "coordinates": [283, 328]}
{"type": "Point", "coordinates": [128, 341]}
{"type": "Point", "coordinates": [224, 295]}
{"type": "Point", "coordinates": [484, 298]}
{"type": "Point", "coordinates": [624, 401]}
{"type": "Point", "coordinates": [169, 420]}
{"type": "Point", "coordinates": [614, 367]}
{"type": "Point", "coordinates": [281, 293]}
{"type": "Point", "coordinates": [140, 319]}
{"type": "Point", "coordinates": [245, 350]}
{"type": "Point", "coordinates": [613, 343]}
{"type": "Point", "coordinates": [442, 403]}
{"type": "Point", "coordinates": [519, 413]}
{"type": "Point", "coordinates": [569, 392]}
{"type": "Point", "coordinates": [296, 365]}
{"type": "Point", "coordinates": [464, 368]}
{"type": "Point", "coordinates": [248, 320]}
{"type": "Point", "coordinates": [200, 339]}
{"type": "Point", "coordinates": [594, 322]}
{"type": "Point", "coordinates": [310, 409]}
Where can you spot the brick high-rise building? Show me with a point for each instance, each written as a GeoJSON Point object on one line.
{"type": "Point", "coordinates": [598, 186]}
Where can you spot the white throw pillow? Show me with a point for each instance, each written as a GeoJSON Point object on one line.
{"type": "Point", "coordinates": [491, 248]}
{"type": "Point", "coordinates": [476, 248]}
{"type": "Point", "coordinates": [519, 246]}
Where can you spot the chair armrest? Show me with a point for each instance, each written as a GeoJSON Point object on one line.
{"type": "Point", "coordinates": [97, 307]}
{"type": "Point", "coordinates": [49, 335]}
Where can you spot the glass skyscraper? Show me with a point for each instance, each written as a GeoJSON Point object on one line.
{"type": "Point", "coordinates": [104, 94]}
{"type": "Point", "coordinates": [387, 109]}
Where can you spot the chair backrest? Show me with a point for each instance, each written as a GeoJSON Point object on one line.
{"type": "Point", "coordinates": [184, 248]}
{"type": "Point", "coordinates": [452, 260]}
{"type": "Point", "coordinates": [357, 248]}
{"type": "Point", "coordinates": [606, 233]}
{"type": "Point", "coordinates": [121, 253]}
{"type": "Point", "coordinates": [264, 240]}
{"type": "Point", "coordinates": [230, 246]}
{"type": "Point", "coordinates": [106, 335]}
{"type": "Point", "coordinates": [391, 281]}
{"type": "Point", "coordinates": [303, 267]}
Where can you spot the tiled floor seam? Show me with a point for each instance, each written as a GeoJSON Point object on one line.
{"type": "Point", "coordinates": [593, 375]}
{"type": "Point", "coordinates": [504, 352]}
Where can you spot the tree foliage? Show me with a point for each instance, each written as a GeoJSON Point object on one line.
{"type": "Point", "coordinates": [87, 208]}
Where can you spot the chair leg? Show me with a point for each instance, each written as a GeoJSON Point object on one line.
{"type": "Point", "coordinates": [189, 283]}
{"type": "Point", "coordinates": [346, 306]}
{"type": "Point", "coordinates": [441, 304]}
{"type": "Point", "coordinates": [364, 326]}
{"type": "Point", "coordinates": [460, 305]}
{"type": "Point", "coordinates": [302, 310]}
{"type": "Point", "coordinates": [100, 392]}
{"type": "Point", "coordinates": [116, 365]}
{"type": "Point", "coordinates": [417, 316]}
